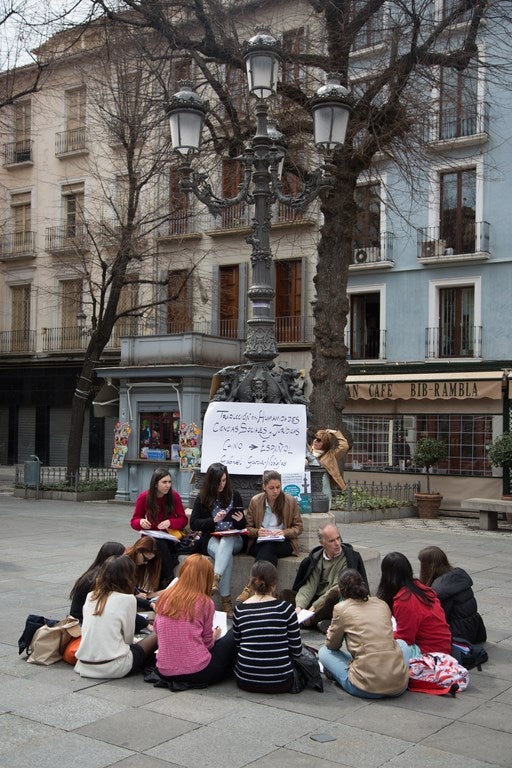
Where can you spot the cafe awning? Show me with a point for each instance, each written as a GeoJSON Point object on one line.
{"type": "Point", "coordinates": [426, 386]}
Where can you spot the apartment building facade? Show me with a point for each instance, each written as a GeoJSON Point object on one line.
{"type": "Point", "coordinates": [429, 284]}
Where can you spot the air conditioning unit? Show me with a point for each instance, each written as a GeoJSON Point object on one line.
{"type": "Point", "coordinates": [433, 248]}
{"type": "Point", "coordinates": [368, 255]}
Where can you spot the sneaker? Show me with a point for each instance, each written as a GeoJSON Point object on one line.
{"type": "Point", "coordinates": [323, 626]}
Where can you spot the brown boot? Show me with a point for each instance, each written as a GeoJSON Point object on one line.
{"type": "Point", "coordinates": [215, 585]}
{"type": "Point", "coordinates": [226, 605]}
{"type": "Point", "coordinates": [245, 594]}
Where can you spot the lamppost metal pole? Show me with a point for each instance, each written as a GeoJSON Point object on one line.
{"type": "Point", "coordinates": [258, 381]}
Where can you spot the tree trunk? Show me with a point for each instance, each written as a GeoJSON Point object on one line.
{"type": "Point", "coordinates": [329, 366]}
{"type": "Point", "coordinates": [79, 405]}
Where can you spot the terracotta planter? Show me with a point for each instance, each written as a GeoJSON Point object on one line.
{"type": "Point", "coordinates": [428, 504]}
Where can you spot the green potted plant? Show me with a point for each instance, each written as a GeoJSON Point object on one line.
{"type": "Point", "coordinates": [428, 453]}
{"type": "Point", "coordinates": [500, 455]}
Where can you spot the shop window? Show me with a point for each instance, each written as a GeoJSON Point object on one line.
{"type": "Point", "coordinates": [159, 435]}
{"type": "Point", "coordinates": [383, 443]}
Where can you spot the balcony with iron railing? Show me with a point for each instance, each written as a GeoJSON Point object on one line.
{"type": "Point", "coordinates": [18, 153]}
{"type": "Point", "coordinates": [16, 245]}
{"type": "Point", "coordinates": [295, 329]}
{"type": "Point", "coordinates": [367, 344]}
{"type": "Point", "coordinates": [17, 342]}
{"type": "Point", "coordinates": [467, 124]}
{"type": "Point", "coordinates": [180, 224]}
{"type": "Point", "coordinates": [67, 238]}
{"type": "Point", "coordinates": [72, 142]}
{"type": "Point", "coordinates": [373, 254]}
{"type": "Point", "coordinates": [443, 244]}
{"type": "Point", "coordinates": [234, 218]}
{"type": "Point", "coordinates": [457, 341]}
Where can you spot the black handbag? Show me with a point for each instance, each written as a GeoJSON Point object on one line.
{"type": "Point", "coordinates": [306, 672]}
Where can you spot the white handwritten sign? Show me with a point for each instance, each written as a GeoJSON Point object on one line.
{"type": "Point", "coordinates": [251, 437]}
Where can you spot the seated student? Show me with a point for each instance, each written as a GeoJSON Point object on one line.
{"type": "Point", "coordinates": [160, 508]}
{"type": "Point", "coordinates": [453, 587]}
{"type": "Point", "coordinates": [421, 626]}
{"type": "Point", "coordinates": [374, 666]}
{"type": "Point", "coordinates": [84, 584]}
{"type": "Point", "coordinates": [145, 555]}
{"type": "Point", "coordinates": [218, 507]}
{"type": "Point", "coordinates": [191, 652]}
{"type": "Point", "coordinates": [107, 649]}
{"type": "Point", "coordinates": [267, 635]}
{"type": "Point", "coordinates": [316, 583]}
{"type": "Point", "coordinates": [273, 524]}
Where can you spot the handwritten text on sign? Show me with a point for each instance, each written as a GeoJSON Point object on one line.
{"type": "Point", "coordinates": [251, 437]}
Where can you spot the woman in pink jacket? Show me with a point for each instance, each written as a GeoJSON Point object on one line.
{"type": "Point", "coordinates": [159, 509]}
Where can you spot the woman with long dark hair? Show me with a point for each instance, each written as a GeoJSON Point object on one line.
{"type": "Point", "coordinates": [190, 650]}
{"type": "Point", "coordinates": [106, 648]}
{"type": "Point", "coordinates": [84, 584]}
{"type": "Point", "coordinates": [160, 509]}
{"type": "Point", "coordinates": [267, 635]}
{"type": "Point", "coordinates": [145, 555]}
{"type": "Point", "coordinates": [373, 666]}
{"type": "Point", "coordinates": [453, 587]}
{"type": "Point", "coordinates": [218, 513]}
{"type": "Point", "coordinates": [273, 524]}
{"type": "Point", "coordinates": [421, 625]}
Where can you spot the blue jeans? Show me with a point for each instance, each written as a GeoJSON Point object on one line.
{"type": "Point", "coordinates": [337, 663]}
{"type": "Point", "coordinates": [222, 550]}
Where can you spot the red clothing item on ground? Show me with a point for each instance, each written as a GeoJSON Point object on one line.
{"type": "Point", "coordinates": [421, 624]}
{"type": "Point", "coordinates": [178, 520]}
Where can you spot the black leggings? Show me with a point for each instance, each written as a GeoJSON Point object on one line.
{"type": "Point", "coordinates": [219, 667]}
{"type": "Point", "coordinates": [271, 550]}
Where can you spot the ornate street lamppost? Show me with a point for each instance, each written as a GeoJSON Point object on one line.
{"type": "Point", "coordinates": [262, 160]}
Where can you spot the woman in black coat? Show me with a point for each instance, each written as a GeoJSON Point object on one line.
{"type": "Point", "coordinates": [454, 590]}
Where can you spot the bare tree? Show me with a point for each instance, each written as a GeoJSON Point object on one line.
{"type": "Point", "coordinates": [114, 255]}
{"type": "Point", "coordinates": [392, 98]}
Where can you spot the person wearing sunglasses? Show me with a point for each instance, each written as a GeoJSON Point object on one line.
{"type": "Point", "coordinates": [328, 448]}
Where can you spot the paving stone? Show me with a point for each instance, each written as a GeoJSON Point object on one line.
{"type": "Point", "coordinates": [136, 729]}
{"type": "Point", "coordinates": [60, 748]}
{"type": "Point", "coordinates": [420, 756]}
{"type": "Point", "coordinates": [352, 747]}
{"type": "Point", "coordinates": [383, 717]}
{"type": "Point", "coordinates": [493, 714]}
{"type": "Point", "coordinates": [477, 742]}
{"type": "Point", "coordinates": [71, 711]}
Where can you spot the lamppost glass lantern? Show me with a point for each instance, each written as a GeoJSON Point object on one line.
{"type": "Point", "coordinates": [331, 109]}
{"type": "Point", "coordinates": [186, 113]}
{"type": "Point", "coordinates": [262, 59]}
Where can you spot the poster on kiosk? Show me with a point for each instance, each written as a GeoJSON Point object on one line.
{"type": "Point", "coordinates": [252, 437]}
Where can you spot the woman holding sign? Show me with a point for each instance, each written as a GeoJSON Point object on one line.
{"type": "Point", "coordinates": [218, 513]}
{"type": "Point", "coordinates": [273, 524]}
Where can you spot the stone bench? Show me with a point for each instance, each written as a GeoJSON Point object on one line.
{"type": "Point", "coordinates": [287, 569]}
{"type": "Point", "coordinates": [488, 510]}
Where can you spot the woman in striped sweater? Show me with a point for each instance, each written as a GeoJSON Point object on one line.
{"type": "Point", "coordinates": [267, 635]}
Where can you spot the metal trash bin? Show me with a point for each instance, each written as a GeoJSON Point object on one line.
{"type": "Point", "coordinates": [32, 475]}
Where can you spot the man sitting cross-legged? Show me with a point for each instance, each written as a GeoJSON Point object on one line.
{"type": "Point", "coordinates": [316, 583]}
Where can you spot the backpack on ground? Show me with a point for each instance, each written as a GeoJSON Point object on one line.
{"type": "Point", "coordinates": [437, 673]}
{"type": "Point", "coordinates": [470, 655]}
